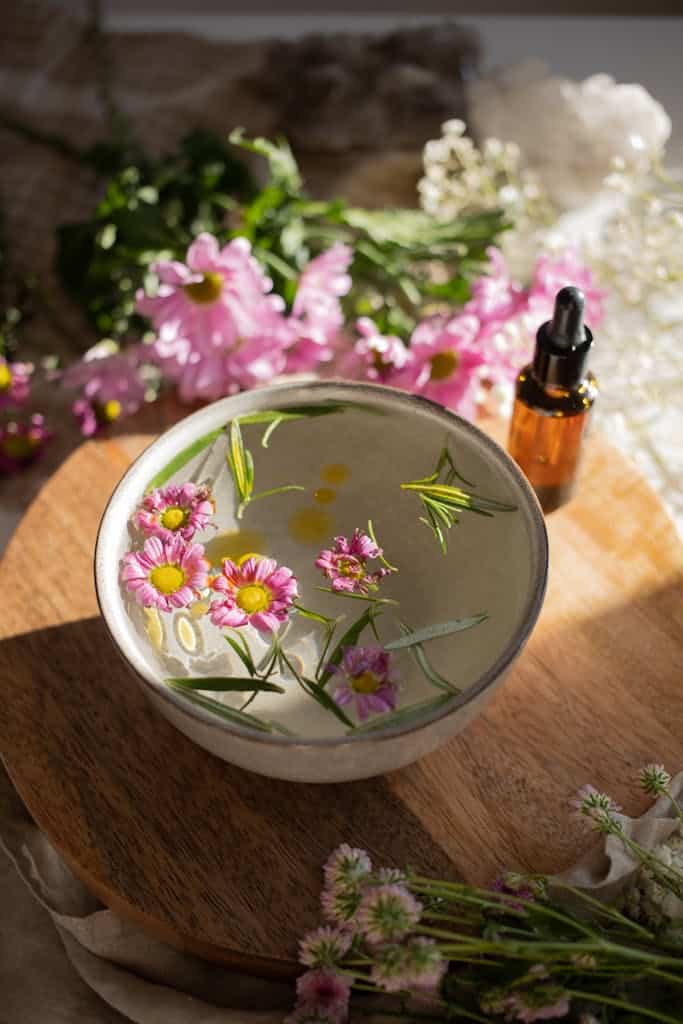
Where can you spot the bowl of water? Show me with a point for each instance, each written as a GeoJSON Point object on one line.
{"type": "Point", "coordinates": [321, 581]}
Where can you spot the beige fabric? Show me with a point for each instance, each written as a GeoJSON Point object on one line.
{"type": "Point", "coordinates": [123, 975]}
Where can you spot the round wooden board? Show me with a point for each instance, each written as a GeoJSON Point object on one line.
{"type": "Point", "coordinates": [227, 864]}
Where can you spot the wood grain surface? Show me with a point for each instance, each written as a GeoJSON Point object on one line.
{"type": "Point", "coordinates": [227, 864]}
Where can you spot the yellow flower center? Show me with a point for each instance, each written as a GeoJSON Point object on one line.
{"type": "Point", "coordinates": [5, 377]}
{"type": "Point", "coordinates": [19, 447]}
{"type": "Point", "coordinates": [167, 578]}
{"type": "Point", "coordinates": [173, 518]}
{"type": "Point", "coordinates": [444, 365]}
{"type": "Point", "coordinates": [350, 567]}
{"type": "Point", "coordinates": [366, 682]}
{"type": "Point", "coordinates": [207, 290]}
{"type": "Point", "coordinates": [111, 410]}
{"type": "Point", "coordinates": [253, 598]}
{"type": "Point", "coordinates": [245, 558]}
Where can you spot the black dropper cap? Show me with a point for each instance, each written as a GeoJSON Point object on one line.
{"type": "Point", "coordinates": [563, 343]}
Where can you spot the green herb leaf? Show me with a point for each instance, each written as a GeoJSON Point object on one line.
{"type": "Point", "coordinates": [349, 639]}
{"type": "Point", "coordinates": [182, 458]}
{"type": "Point", "coordinates": [242, 651]}
{"type": "Point", "coordinates": [326, 701]}
{"type": "Point", "coordinates": [226, 684]}
{"type": "Point", "coordinates": [429, 672]}
{"type": "Point", "coordinates": [231, 715]}
{"type": "Point", "coordinates": [314, 616]}
{"type": "Point", "coordinates": [403, 715]}
{"type": "Point", "coordinates": [419, 636]}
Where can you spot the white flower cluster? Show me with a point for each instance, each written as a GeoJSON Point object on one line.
{"type": "Point", "coordinates": [460, 177]}
{"type": "Point", "coordinates": [650, 901]}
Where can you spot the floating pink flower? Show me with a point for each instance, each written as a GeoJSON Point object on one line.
{"type": "Point", "coordinates": [388, 913]}
{"type": "Point", "coordinates": [15, 383]}
{"type": "Point", "coordinates": [447, 362]}
{"type": "Point", "coordinates": [180, 510]}
{"type": "Point", "coordinates": [166, 574]}
{"type": "Point", "coordinates": [111, 385]}
{"type": "Point", "coordinates": [324, 947]}
{"type": "Point", "coordinates": [256, 593]}
{"type": "Point", "coordinates": [218, 327]}
{"type": "Point", "coordinates": [322, 996]}
{"type": "Point", "coordinates": [22, 443]}
{"type": "Point", "coordinates": [345, 565]}
{"type": "Point", "coordinates": [366, 679]}
{"type": "Point", "coordinates": [317, 316]}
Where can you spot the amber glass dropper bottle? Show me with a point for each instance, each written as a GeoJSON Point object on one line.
{"type": "Point", "coordinates": [553, 401]}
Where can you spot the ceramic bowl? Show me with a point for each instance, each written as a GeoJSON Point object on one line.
{"type": "Point", "coordinates": [496, 564]}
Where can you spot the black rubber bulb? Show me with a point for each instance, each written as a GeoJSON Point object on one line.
{"type": "Point", "coordinates": [566, 328]}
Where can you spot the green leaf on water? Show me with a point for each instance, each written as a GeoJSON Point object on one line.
{"type": "Point", "coordinates": [226, 684]}
{"type": "Point", "coordinates": [231, 715]}
{"type": "Point", "coordinates": [323, 698]}
{"type": "Point", "coordinates": [349, 639]}
{"type": "Point", "coordinates": [241, 649]}
{"type": "Point", "coordinates": [306, 613]}
{"type": "Point", "coordinates": [419, 636]}
{"type": "Point", "coordinates": [182, 458]}
{"type": "Point", "coordinates": [404, 715]}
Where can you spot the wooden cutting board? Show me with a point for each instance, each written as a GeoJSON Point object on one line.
{"type": "Point", "coordinates": [226, 864]}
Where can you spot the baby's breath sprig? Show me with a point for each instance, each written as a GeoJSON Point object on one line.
{"type": "Point", "coordinates": [441, 499]}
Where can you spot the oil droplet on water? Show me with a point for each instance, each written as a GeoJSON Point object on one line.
{"type": "Point", "coordinates": [325, 495]}
{"type": "Point", "coordinates": [335, 473]}
{"type": "Point", "coordinates": [233, 544]}
{"type": "Point", "coordinates": [154, 628]}
{"type": "Point", "coordinates": [311, 525]}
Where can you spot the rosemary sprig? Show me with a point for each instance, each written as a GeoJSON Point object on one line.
{"type": "Point", "coordinates": [226, 684]}
{"type": "Point", "coordinates": [314, 689]}
{"type": "Point", "coordinates": [442, 500]}
{"type": "Point", "coordinates": [241, 464]}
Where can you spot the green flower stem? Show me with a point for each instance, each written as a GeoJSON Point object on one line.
{"type": "Point", "coordinates": [673, 978]}
{"type": "Point", "coordinates": [357, 597]}
{"type": "Point", "coordinates": [607, 911]}
{"type": "Point", "coordinates": [675, 804]}
{"type": "Point", "coordinates": [621, 1004]}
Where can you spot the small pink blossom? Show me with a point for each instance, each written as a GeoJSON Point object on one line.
{"type": "Point", "coordinates": [15, 383]}
{"type": "Point", "coordinates": [553, 272]}
{"type": "Point", "coordinates": [345, 564]}
{"type": "Point", "coordinates": [111, 386]}
{"type": "Point", "coordinates": [317, 316]}
{"type": "Point", "coordinates": [495, 296]}
{"type": "Point", "coordinates": [589, 802]}
{"type": "Point", "coordinates": [322, 996]}
{"type": "Point", "coordinates": [366, 679]}
{"type": "Point", "coordinates": [547, 1002]}
{"type": "Point", "coordinates": [22, 442]}
{"type": "Point", "coordinates": [347, 867]}
{"type": "Point", "coordinates": [380, 358]}
{"type": "Point", "coordinates": [425, 964]}
{"type": "Point", "coordinates": [256, 593]}
{"type": "Point", "coordinates": [324, 947]}
{"type": "Point", "coordinates": [166, 574]}
{"type": "Point", "coordinates": [174, 509]}
{"type": "Point", "coordinates": [388, 913]}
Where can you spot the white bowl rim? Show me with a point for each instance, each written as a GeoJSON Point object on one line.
{"type": "Point", "coordinates": [356, 391]}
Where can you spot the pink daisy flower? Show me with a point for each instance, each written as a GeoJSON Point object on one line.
{"type": "Point", "coordinates": [376, 357]}
{"type": "Point", "coordinates": [15, 383]}
{"type": "Point", "coordinates": [22, 443]}
{"type": "Point", "coordinates": [553, 272]}
{"type": "Point", "coordinates": [366, 679]}
{"type": "Point", "coordinates": [447, 362]}
{"type": "Point", "coordinates": [181, 510]}
{"type": "Point", "coordinates": [322, 995]}
{"type": "Point", "coordinates": [324, 947]}
{"type": "Point", "coordinates": [257, 593]}
{"type": "Point", "coordinates": [111, 385]}
{"type": "Point", "coordinates": [345, 564]}
{"type": "Point", "coordinates": [166, 574]}
{"type": "Point", "coordinates": [218, 328]}
{"type": "Point", "coordinates": [494, 294]}
{"type": "Point", "coordinates": [388, 913]}
{"type": "Point", "coordinates": [317, 316]}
